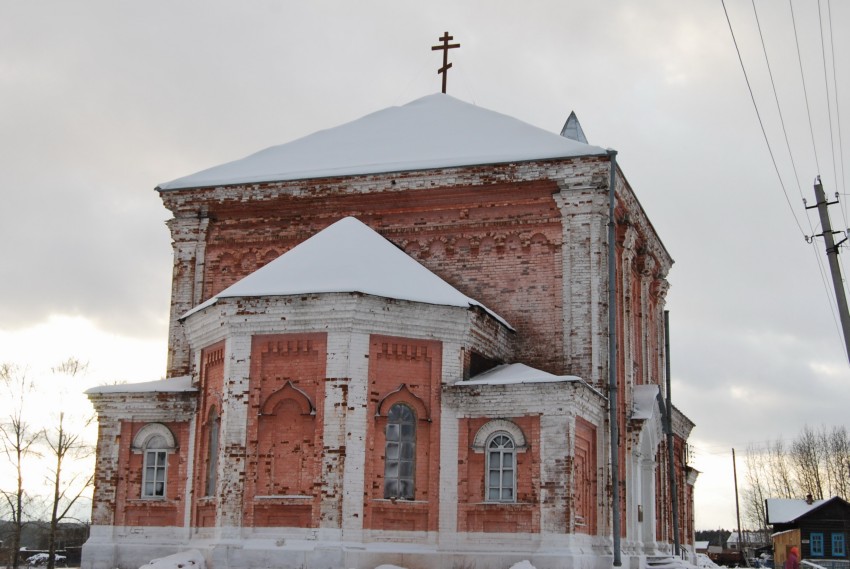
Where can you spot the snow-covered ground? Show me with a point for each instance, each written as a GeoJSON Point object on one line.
{"type": "Point", "coordinates": [192, 559]}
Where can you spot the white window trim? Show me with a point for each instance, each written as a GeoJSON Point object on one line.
{"type": "Point", "coordinates": [140, 445]}
{"type": "Point", "coordinates": [148, 432]}
{"type": "Point", "coordinates": [482, 437]}
{"type": "Point", "coordinates": [513, 452]}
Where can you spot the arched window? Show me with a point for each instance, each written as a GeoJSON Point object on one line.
{"type": "Point", "coordinates": [213, 425]}
{"type": "Point", "coordinates": [154, 442]}
{"type": "Point", "coordinates": [400, 453]}
{"type": "Point", "coordinates": [501, 468]}
{"type": "Point", "coordinates": [153, 474]}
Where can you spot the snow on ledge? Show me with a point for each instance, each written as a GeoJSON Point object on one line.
{"type": "Point", "coordinates": [508, 374]}
{"type": "Point", "coordinates": [170, 385]}
{"type": "Point", "coordinates": [191, 559]}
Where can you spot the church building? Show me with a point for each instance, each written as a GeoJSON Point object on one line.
{"type": "Point", "coordinates": [389, 344]}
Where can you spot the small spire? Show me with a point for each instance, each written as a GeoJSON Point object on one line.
{"type": "Point", "coordinates": [572, 129]}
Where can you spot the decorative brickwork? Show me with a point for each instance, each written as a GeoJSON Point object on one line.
{"type": "Point", "coordinates": [210, 410]}
{"type": "Point", "coordinates": [286, 410]}
{"type": "Point", "coordinates": [475, 512]}
{"type": "Point", "coordinates": [407, 371]}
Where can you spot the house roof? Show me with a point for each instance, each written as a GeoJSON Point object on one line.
{"type": "Point", "coordinates": [436, 131]}
{"type": "Point", "coordinates": [347, 256]}
{"type": "Point", "coordinates": [784, 511]}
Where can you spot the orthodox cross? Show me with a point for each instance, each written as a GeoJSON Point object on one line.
{"type": "Point", "coordinates": [445, 47]}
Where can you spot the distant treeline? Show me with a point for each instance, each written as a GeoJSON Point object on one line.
{"type": "Point", "coordinates": [714, 536]}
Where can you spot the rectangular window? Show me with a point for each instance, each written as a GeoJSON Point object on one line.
{"type": "Point", "coordinates": [816, 544]}
{"type": "Point", "coordinates": [153, 478]}
{"type": "Point", "coordinates": [838, 545]}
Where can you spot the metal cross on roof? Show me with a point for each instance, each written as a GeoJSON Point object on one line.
{"type": "Point", "coordinates": [446, 46]}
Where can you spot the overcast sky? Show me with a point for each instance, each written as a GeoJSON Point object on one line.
{"type": "Point", "coordinates": [102, 100]}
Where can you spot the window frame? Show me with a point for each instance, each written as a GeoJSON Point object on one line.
{"type": "Point", "coordinates": [159, 466]}
{"type": "Point", "coordinates": [501, 469]}
{"type": "Point", "coordinates": [838, 538]}
{"type": "Point", "coordinates": [819, 552]}
{"type": "Point", "coordinates": [155, 443]}
{"type": "Point", "coordinates": [404, 447]}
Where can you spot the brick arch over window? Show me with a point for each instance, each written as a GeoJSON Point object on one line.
{"type": "Point", "coordinates": [402, 394]}
{"type": "Point", "coordinates": [146, 435]}
{"type": "Point", "coordinates": [490, 428]}
{"type": "Point", "coordinates": [288, 392]}
{"type": "Point", "coordinates": [286, 448]}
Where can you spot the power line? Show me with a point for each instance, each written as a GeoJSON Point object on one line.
{"type": "Point", "coordinates": [826, 89]}
{"type": "Point", "coordinates": [761, 123]}
{"type": "Point", "coordinates": [837, 111]}
{"type": "Point", "coordinates": [803, 79]}
{"type": "Point", "coordinates": [778, 106]}
{"type": "Point", "coordinates": [818, 260]}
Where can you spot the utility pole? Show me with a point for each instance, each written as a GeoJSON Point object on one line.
{"type": "Point", "coordinates": [832, 257]}
{"type": "Point", "coordinates": [737, 507]}
{"type": "Point", "coordinates": [671, 461]}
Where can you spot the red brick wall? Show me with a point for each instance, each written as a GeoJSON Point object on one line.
{"type": "Point", "coordinates": [286, 410]}
{"type": "Point", "coordinates": [133, 510]}
{"type": "Point", "coordinates": [585, 477]}
{"type": "Point", "coordinates": [476, 515]}
{"type": "Point", "coordinates": [499, 244]}
{"type": "Point", "coordinates": [211, 389]}
{"type": "Point", "coordinates": [417, 364]}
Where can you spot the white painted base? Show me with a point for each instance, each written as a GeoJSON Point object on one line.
{"type": "Point", "coordinates": [285, 548]}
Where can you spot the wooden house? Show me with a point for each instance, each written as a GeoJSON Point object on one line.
{"type": "Point", "coordinates": [819, 528]}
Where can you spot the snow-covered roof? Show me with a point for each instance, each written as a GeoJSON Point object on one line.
{"type": "Point", "coordinates": [782, 510]}
{"type": "Point", "coordinates": [516, 373]}
{"type": "Point", "coordinates": [644, 399]}
{"type": "Point", "coordinates": [170, 385]}
{"type": "Point", "coordinates": [436, 131]}
{"type": "Point", "coordinates": [347, 256]}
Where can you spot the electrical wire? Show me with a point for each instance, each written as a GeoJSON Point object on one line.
{"type": "Point", "coordinates": [803, 79]}
{"type": "Point", "coordinates": [837, 113]}
{"type": "Point", "coordinates": [779, 107]}
{"type": "Point", "coordinates": [761, 123]}
{"type": "Point", "coordinates": [828, 102]}
{"type": "Point", "coordinates": [818, 260]}
{"type": "Point", "coordinates": [831, 302]}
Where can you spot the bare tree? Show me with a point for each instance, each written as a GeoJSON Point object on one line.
{"type": "Point", "coordinates": [18, 440]}
{"type": "Point", "coordinates": [807, 458]}
{"type": "Point", "coordinates": [782, 481]}
{"type": "Point", "coordinates": [757, 477]}
{"type": "Point", "coordinates": [837, 452]}
{"type": "Point", "coordinates": [65, 445]}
